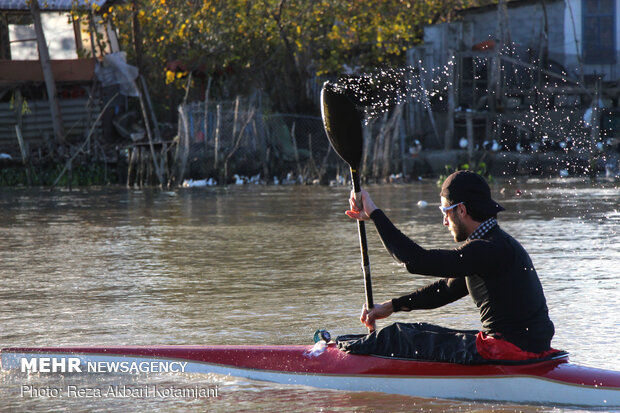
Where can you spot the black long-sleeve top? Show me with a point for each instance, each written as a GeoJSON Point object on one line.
{"type": "Point", "coordinates": [495, 271]}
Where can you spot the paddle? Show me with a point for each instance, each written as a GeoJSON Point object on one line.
{"type": "Point", "coordinates": [343, 125]}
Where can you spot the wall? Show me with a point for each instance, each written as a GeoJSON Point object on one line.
{"type": "Point", "coordinates": [573, 25]}
{"type": "Point", "coordinates": [525, 23]}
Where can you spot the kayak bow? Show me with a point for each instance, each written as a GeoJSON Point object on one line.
{"type": "Point", "coordinates": [551, 382]}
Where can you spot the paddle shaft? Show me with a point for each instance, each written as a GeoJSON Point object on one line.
{"type": "Point", "coordinates": [361, 230]}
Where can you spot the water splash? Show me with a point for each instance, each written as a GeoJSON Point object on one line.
{"type": "Point", "coordinates": [377, 92]}
{"type": "Point", "coordinates": [537, 109]}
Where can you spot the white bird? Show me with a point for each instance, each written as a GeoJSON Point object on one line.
{"type": "Point", "coordinates": [393, 178]}
{"type": "Point", "coordinates": [190, 183]}
{"type": "Point", "coordinates": [238, 180]}
{"type": "Point", "coordinates": [290, 179]}
{"type": "Point", "coordinates": [415, 148]}
{"type": "Point", "coordinates": [563, 173]}
{"type": "Point", "coordinates": [463, 143]}
{"type": "Point", "coordinates": [340, 180]}
{"type": "Point", "coordinates": [255, 179]}
{"type": "Point", "coordinates": [5, 156]}
{"type": "Point", "coordinates": [491, 145]}
{"type": "Point", "coordinates": [422, 204]}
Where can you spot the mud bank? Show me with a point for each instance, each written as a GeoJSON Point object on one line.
{"type": "Point", "coordinates": [433, 163]}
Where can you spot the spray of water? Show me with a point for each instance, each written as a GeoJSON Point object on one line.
{"type": "Point", "coordinates": [378, 92]}
{"type": "Point", "coordinates": [536, 110]}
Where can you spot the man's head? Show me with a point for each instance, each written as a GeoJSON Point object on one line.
{"type": "Point", "coordinates": [470, 196]}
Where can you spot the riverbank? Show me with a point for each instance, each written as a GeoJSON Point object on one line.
{"type": "Point", "coordinates": [508, 164]}
{"type": "Point", "coordinates": [427, 164]}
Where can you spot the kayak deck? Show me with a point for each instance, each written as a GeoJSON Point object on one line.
{"type": "Point", "coordinates": [556, 382]}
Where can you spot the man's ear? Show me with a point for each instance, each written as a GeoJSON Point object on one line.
{"type": "Point", "coordinates": [462, 208]}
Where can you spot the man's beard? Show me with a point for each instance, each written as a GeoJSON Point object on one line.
{"type": "Point", "coordinates": [459, 231]}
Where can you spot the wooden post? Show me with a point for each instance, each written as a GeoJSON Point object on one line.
{"type": "Point", "coordinates": [388, 145]}
{"type": "Point", "coordinates": [23, 146]}
{"type": "Point", "coordinates": [402, 133]}
{"type": "Point", "coordinates": [367, 134]}
{"type": "Point", "coordinates": [595, 127]}
{"type": "Point", "coordinates": [296, 153]}
{"type": "Point", "coordinates": [469, 123]}
{"type": "Point", "coordinates": [149, 169]}
{"type": "Point", "coordinates": [91, 32]}
{"type": "Point", "coordinates": [426, 101]}
{"type": "Point", "coordinates": [183, 143]}
{"type": "Point", "coordinates": [493, 64]}
{"type": "Point", "coordinates": [163, 164]}
{"type": "Point", "coordinates": [236, 145]}
{"type": "Point", "coordinates": [46, 67]}
{"type": "Point", "coordinates": [70, 174]}
{"type": "Point", "coordinates": [131, 160]}
{"type": "Point", "coordinates": [140, 167]}
{"type": "Point", "coordinates": [311, 162]}
{"type": "Point", "coordinates": [376, 155]}
{"type": "Point", "coordinates": [205, 120]}
{"type": "Point", "coordinates": [149, 134]}
{"type": "Point", "coordinates": [235, 117]}
{"type": "Point", "coordinates": [149, 104]}
{"type": "Point", "coordinates": [24, 151]}
{"type": "Point", "coordinates": [216, 144]}
{"type": "Point", "coordinates": [449, 136]}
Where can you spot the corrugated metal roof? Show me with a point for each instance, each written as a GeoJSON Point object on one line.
{"type": "Point", "coordinates": [77, 117]}
{"type": "Point", "coordinates": [49, 5]}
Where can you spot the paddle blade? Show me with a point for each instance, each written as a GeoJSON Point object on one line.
{"type": "Point", "coordinates": [343, 125]}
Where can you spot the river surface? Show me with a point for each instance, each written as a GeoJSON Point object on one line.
{"type": "Point", "coordinates": [270, 265]}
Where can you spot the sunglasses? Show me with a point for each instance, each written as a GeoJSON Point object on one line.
{"type": "Point", "coordinates": [444, 210]}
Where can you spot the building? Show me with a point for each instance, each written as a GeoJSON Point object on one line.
{"type": "Point", "coordinates": [49, 54]}
{"type": "Point", "coordinates": [526, 73]}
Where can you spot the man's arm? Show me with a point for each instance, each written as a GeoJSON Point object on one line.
{"type": "Point", "coordinates": [400, 246]}
{"type": "Point", "coordinates": [434, 295]}
{"type": "Point", "coordinates": [473, 257]}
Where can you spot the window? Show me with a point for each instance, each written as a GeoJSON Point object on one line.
{"type": "Point", "coordinates": [599, 31]}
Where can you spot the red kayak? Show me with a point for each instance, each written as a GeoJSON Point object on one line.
{"type": "Point", "coordinates": [551, 382]}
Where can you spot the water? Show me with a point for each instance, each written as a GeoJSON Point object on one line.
{"type": "Point", "coordinates": [269, 265]}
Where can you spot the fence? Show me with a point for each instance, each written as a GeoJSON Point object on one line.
{"type": "Point", "coordinates": [235, 136]}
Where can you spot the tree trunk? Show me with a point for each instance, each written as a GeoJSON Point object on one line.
{"type": "Point", "coordinates": [50, 84]}
{"type": "Point", "coordinates": [137, 35]}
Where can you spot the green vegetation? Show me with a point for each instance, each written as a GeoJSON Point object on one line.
{"type": "Point", "coordinates": [45, 175]}
{"type": "Point", "coordinates": [276, 46]}
{"type": "Point", "coordinates": [480, 169]}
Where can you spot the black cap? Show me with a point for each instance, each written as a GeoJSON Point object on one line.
{"type": "Point", "coordinates": [471, 188]}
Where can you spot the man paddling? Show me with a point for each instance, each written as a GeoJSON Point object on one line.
{"type": "Point", "coordinates": [490, 266]}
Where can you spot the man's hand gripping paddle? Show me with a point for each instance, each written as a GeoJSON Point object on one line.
{"type": "Point", "coordinates": [343, 125]}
